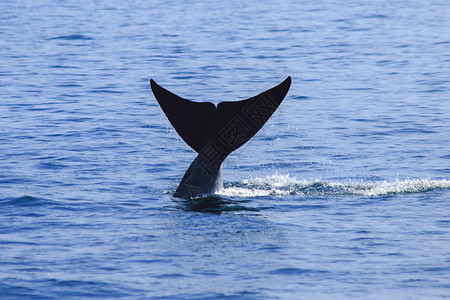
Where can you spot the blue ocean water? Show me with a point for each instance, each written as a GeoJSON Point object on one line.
{"type": "Point", "coordinates": [344, 193]}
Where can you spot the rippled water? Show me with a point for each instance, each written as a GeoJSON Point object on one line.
{"type": "Point", "coordinates": [343, 194]}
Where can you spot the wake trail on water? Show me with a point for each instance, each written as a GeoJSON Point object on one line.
{"type": "Point", "coordinates": [284, 185]}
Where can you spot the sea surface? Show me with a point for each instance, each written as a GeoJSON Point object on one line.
{"type": "Point", "coordinates": [344, 193]}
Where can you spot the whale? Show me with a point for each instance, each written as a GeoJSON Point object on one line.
{"type": "Point", "coordinates": [215, 131]}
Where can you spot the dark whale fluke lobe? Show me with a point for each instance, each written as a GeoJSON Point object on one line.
{"type": "Point", "coordinates": [215, 132]}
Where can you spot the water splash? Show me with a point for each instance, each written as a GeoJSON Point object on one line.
{"type": "Point", "coordinates": [283, 185]}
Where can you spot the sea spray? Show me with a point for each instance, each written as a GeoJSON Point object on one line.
{"type": "Point", "coordinates": [283, 185]}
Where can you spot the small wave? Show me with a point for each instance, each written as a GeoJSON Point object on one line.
{"type": "Point", "coordinates": [31, 201]}
{"type": "Point", "coordinates": [72, 37]}
{"type": "Point", "coordinates": [296, 271]}
{"type": "Point", "coordinates": [23, 201]}
{"type": "Point", "coordinates": [284, 185]}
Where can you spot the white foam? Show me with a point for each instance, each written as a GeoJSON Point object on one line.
{"type": "Point", "coordinates": [283, 185]}
{"type": "Point", "coordinates": [248, 192]}
{"type": "Point", "coordinates": [402, 187]}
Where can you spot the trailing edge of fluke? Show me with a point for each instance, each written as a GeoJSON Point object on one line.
{"type": "Point", "coordinates": [215, 132]}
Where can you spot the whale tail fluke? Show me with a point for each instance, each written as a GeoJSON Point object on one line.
{"type": "Point", "coordinates": [190, 119]}
{"type": "Point", "coordinates": [215, 132]}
